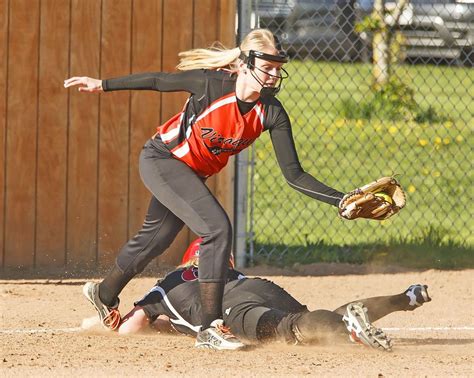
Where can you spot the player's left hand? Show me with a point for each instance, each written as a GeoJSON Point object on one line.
{"type": "Point", "coordinates": [377, 200]}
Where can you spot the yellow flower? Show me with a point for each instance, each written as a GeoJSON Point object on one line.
{"type": "Point", "coordinates": [331, 147]}
{"type": "Point", "coordinates": [459, 139]}
{"type": "Point", "coordinates": [425, 171]}
{"type": "Point", "coordinates": [359, 123]}
{"type": "Point", "coordinates": [446, 140]}
{"type": "Point", "coordinates": [437, 140]}
{"type": "Point", "coordinates": [448, 124]}
{"type": "Point", "coordinates": [411, 189]}
{"type": "Point", "coordinates": [422, 142]}
{"type": "Point", "coordinates": [392, 130]}
{"type": "Point", "coordinates": [436, 173]}
{"type": "Point", "coordinates": [339, 122]}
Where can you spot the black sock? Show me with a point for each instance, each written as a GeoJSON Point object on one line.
{"type": "Point", "coordinates": [112, 285]}
{"type": "Point", "coordinates": [211, 302]}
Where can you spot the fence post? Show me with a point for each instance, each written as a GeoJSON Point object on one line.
{"type": "Point", "coordinates": [242, 159]}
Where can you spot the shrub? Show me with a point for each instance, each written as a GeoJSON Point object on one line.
{"type": "Point", "coordinates": [394, 101]}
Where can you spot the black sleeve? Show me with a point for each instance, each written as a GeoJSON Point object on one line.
{"type": "Point", "coordinates": [297, 178]}
{"type": "Point", "coordinates": [192, 81]}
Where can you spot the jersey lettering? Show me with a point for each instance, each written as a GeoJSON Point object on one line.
{"type": "Point", "coordinates": [207, 141]}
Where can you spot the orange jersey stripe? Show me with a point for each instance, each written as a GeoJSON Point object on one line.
{"type": "Point", "coordinates": [219, 132]}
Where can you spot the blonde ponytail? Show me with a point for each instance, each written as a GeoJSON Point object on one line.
{"type": "Point", "coordinates": [218, 56]}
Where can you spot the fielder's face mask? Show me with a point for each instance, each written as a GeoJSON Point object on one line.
{"type": "Point", "coordinates": [282, 57]}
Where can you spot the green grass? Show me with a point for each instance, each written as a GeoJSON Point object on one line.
{"type": "Point", "coordinates": [434, 163]}
{"type": "Point", "coordinates": [426, 251]}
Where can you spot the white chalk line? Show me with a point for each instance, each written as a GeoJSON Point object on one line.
{"type": "Point", "coordinates": [40, 330]}
{"type": "Point", "coordinates": [88, 325]}
{"type": "Point", "coordinates": [428, 329]}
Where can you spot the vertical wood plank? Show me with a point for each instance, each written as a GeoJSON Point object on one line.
{"type": "Point", "coordinates": [21, 133]}
{"type": "Point", "coordinates": [83, 136]}
{"type": "Point", "coordinates": [204, 34]}
{"type": "Point", "coordinates": [226, 22]}
{"type": "Point", "coordinates": [205, 23]}
{"type": "Point", "coordinates": [226, 34]}
{"type": "Point", "coordinates": [3, 114]}
{"type": "Point", "coordinates": [146, 106]}
{"type": "Point", "coordinates": [176, 17]}
{"type": "Point", "coordinates": [52, 134]}
{"type": "Point", "coordinates": [114, 131]}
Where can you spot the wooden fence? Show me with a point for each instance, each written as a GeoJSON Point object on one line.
{"type": "Point", "coordinates": [69, 184]}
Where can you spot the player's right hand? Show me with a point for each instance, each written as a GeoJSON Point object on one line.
{"type": "Point", "coordinates": [86, 84]}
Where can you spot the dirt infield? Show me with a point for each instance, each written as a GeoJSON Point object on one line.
{"type": "Point", "coordinates": [41, 335]}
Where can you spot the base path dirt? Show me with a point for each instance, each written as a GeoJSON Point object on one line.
{"type": "Point", "coordinates": [41, 334]}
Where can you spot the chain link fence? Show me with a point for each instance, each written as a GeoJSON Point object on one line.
{"type": "Point", "coordinates": [372, 92]}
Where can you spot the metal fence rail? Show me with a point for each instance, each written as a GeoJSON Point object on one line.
{"type": "Point", "coordinates": [350, 128]}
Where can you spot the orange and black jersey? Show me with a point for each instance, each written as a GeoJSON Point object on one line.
{"type": "Point", "coordinates": [214, 124]}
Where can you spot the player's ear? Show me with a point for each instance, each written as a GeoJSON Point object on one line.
{"type": "Point", "coordinates": [242, 67]}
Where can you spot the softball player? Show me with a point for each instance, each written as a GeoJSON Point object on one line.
{"type": "Point", "coordinates": [257, 310]}
{"type": "Point", "coordinates": [231, 103]}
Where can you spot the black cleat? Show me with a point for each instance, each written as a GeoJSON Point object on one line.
{"type": "Point", "coordinates": [361, 331]}
{"type": "Point", "coordinates": [109, 316]}
{"type": "Point", "coordinates": [217, 337]}
{"type": "Point", "coordinates": [418, 295]}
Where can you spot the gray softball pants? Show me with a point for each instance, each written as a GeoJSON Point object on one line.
{"type": "Point", "coordinates": [180, 197]}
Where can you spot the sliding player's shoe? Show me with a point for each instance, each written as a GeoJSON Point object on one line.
{"type": "Point", "coordinates": [418, 295]}
{"type": "Point", "coordinates": [109, 316]}
{"type": "Point", "coordinates": [217, 337]}
{"type": "Point", "coordinates": [362, 331]}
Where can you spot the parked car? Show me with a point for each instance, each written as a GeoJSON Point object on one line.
{"type": "Point", "coordinates": [272, 14]}
{"type": "Point", "coordinates": [324, 29]}
{"type": "Point", "coordinates": [441, 29]}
